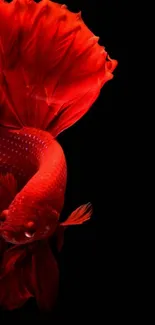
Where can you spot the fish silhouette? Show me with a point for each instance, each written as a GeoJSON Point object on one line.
{"type": "Point", "coordinates": [52, 69]}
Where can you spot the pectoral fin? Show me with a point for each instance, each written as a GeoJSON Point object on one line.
{"type": "Point", "coordinates": [79, 216]}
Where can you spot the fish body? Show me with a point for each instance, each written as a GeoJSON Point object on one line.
{"type": "Point", "coordinates": [37, 160]}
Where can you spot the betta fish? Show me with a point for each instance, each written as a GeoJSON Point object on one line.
{"type": "Point", "coordinates": [52, 69]}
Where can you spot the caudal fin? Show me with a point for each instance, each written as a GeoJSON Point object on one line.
{"type": "Point", "coordinates": [51, 66]}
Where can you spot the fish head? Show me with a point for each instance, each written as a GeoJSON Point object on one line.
{"type": "Point", "coordinates": [22, 228]}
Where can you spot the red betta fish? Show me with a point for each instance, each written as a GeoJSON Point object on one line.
{"type": "Point", "coordinates": [51, 71]}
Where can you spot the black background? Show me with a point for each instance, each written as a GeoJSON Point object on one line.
{"type": "Point", "coordinates": [91, 267]}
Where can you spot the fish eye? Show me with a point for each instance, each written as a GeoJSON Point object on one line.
{"type": "Point", "coordinates": [29, 234]}
{"type": "Point", "coordinates": [30, 229]}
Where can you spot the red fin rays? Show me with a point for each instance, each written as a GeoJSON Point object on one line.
{"type": "Point", "coordinates": [79, 216]}
{"type": "Point", "coordinates": [51, 66]}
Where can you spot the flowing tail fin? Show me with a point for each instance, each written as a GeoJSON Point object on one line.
{"type": "Point", "coordinates": [51, 66]}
